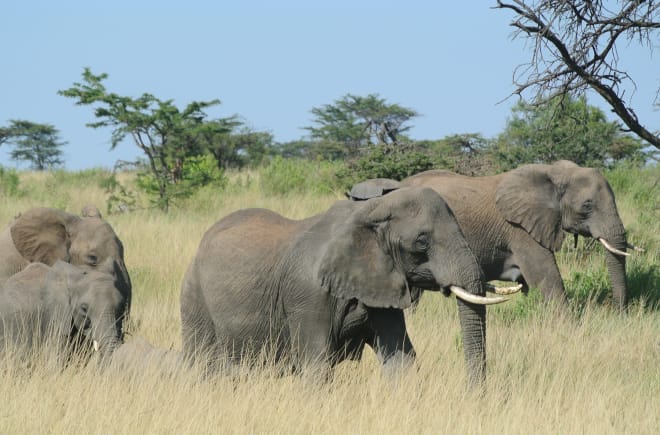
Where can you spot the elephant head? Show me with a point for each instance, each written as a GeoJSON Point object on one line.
{"type": "Point", "coordinates": [95, 303]}
{"type": "Point", "coordinates": [406, 239]}
{"type": "Point", "coordinates": [46, 235]}
{"type": "Point", "coordinates": [546, 200]}
{"type": "Point", "coordinates": [372, 188]}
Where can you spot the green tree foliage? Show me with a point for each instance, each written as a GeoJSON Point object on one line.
{"type": "Point", "coordinates": [38, 144]}
{"type": "Point", "coordinates": [168, 136]}
{"type": "Point", "coordinates": [467, 154]}
{"type": "Point", "coordinates": [354, 122]}
{"type": "Point", "coordinates": [4, 135]}
{"type": "Point", "coordinates": [237, 149]}
{"type": "Point", "coordinates": [309, 149]}
{"type": "Point", "coordinates": [385, 161]}
{"type": "Point", "coordinates": [567, 128]}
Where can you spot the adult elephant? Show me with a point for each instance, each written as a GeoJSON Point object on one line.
{"type": "Point", "coordinates": [46, 235]}
{"type": "Point", "coordinates": [62, 305]}
{"type": "Point", "coordinates": [515, 221]}
{"type": "Point", "coordinates": [317, 290]}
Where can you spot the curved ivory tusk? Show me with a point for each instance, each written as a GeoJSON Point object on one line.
{"type": "Point", "coordinates": [638, 249]}
{"type": "Point", "coordinates": [502, 290]}
{"type": "Point", "coordinates": [480, 300]}
{"type": "Point", "coordinates": [611, 249]}
{"type": "Point", "coordinates": [96, 346]}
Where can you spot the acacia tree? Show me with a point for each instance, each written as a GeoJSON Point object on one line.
{"type": "Point", "coordinates": [565, 129]}
{"type": "Point", "coordinates": [166, 135]}
{"type": "Point", "coordinates": [38, 144]}
{"type": "Point", "coordinates": [355, 122]}
{"type": "Point", "coordinates": [576, 47]}
{"type": "Point", "coordinates": [4, 135]}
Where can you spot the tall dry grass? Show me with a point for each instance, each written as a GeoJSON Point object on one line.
{"type": "Point", "coordinates": [590, 371]}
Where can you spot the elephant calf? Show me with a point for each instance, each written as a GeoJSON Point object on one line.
{"type": "Point", "coordinates": [315, 291]}
{"type": "Point", "coordinates": [139, 356]}
{"type": "Point", "coordinates": [46, 235]}
{"type": "Point", "coordinates": [62, 305]}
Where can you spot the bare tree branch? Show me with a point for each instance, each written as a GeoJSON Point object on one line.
{"type": "Point", "coordinates": [575, 49]}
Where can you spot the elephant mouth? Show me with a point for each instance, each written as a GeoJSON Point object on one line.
{"type": "Point", "coordinates": [423, 279]}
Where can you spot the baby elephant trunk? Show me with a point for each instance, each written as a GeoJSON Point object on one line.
{"type": "Point", "coordinates": [109, 337]}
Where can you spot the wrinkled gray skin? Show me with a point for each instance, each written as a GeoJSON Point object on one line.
{"type": "Point", "coordinates": [140, 356]}
{"type": "Point", "coordinates": [515, 221]}
{"type": "Point", "coordinates": [64, 303]}
{"type": "Point", "coordinates": [317, 290]}
{"type": "Point", "coordinates": [46, 235]}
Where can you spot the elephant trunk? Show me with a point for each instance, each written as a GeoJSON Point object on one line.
{"type": "Point", "coordinates": [616, 268]}
{"type": "Point", "coordinates": [473, 322]}
{"type": "Point", "coordinates": [107, 347]}
{"type": "Point", "coordinates": [613, 238]}
{"type": "Point", "coordinates": [109, 333]}
{"type": "Point", "coordinates": [473, 329]}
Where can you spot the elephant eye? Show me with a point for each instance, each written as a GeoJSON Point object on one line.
{"type": "Point", "coordinates": [422, 243]}
{"type": "Point", "coordinates": [92, 260]}
{"type": "Point", "coordinates": [587, 206]}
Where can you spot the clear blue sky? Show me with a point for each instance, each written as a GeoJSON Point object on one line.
{"type": "Point", "coordinates": [271, 62]}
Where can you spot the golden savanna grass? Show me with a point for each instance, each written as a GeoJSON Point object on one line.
{"type": "Point", "coordinates": [592, 370]}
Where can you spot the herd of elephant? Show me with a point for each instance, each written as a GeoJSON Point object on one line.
{"type": "Point", "coordinates": [314, 292]}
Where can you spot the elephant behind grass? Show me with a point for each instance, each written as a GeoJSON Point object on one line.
{"type": "Point", "coordinates": [516, 221]}
{"type": "Point", "coordinates": [319, 290]}
{"type": "Point", "coordinates": [137, 356]}
{"type": "Point", "coordinates": [63, 307]}
{"type": "Point", "coordinates": [46, 235]}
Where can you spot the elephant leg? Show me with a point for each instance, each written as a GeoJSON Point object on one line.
{"type": "Point", "coordinates": [309, 332]}
{"type": "Point", "coordinates": [391, 341]}
{"type": "Point", "coordinates": [539, 270]}
{"type": "Point", "coordinates": [197, 328]}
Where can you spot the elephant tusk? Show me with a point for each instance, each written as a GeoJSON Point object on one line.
{"type": "Point", "coordinates": [96, 346]}
{"type": "Point", "coordinates": [480, 300]}
{"type": "Point", "coordinates": [636, 248]}
{"type": "Point", "coordinates": [503, 290]}
{"type": "Point", "coordinates": [612, 249]}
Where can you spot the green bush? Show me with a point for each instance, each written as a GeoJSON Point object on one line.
{"type": "Point", "coordinates": [385, 161]}
{"type": "Point", "coordinates": [196, 172]}
{"type": "Point", "coordinates": [9, 182]}
{"type": "Point", "coordinates": [282, 176]}
{"type": "Point", "coordinates": [120, 198]}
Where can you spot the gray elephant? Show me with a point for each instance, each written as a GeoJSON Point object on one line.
{"type": "Point", "coordinates": [46, 235]}
{"type": "Point", "coordinates": [77, 309]}
{"type": "Point", "coordinates": [317, 290]}
{"type": "Point", "coordinates": [515, 221]}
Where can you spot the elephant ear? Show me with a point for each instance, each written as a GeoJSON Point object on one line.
{"type": "Point", "coordinates": [357, 264]}
{"type": "Point", "coordinates": [528, 197]}
{"type": "Point", "coordinates": [40, 235]}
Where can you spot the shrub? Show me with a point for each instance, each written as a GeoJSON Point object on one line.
{"type": "Point", "coordinates": [196, 172]}
{"type": "Point", "coordinates": [120, 198]}
{"type": "Point", "coordinates": [385, 161]}
{"type": "Point", "coordinates": [282, 176]}
{"type": "Point", "coordinates": [9, 182]}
